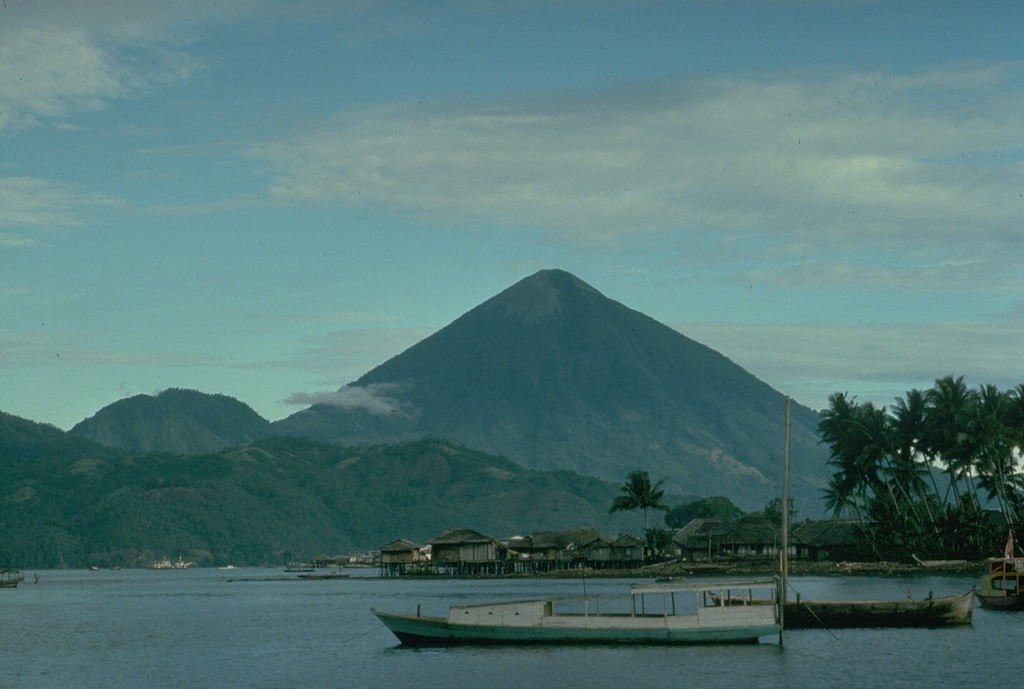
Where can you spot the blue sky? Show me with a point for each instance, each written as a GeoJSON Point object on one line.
{"type": "Point", "coordinates": [267, 199]}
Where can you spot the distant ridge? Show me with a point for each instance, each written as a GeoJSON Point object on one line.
{"type": "Point", "coordinates": [554, 375]}
{"type": "Point", "coordinates": [175, 420]}
{"type": "Point", "coordinates": [66, 501]}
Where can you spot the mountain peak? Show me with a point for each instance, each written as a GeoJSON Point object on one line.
{"type": "Point", "coordinates": [541, 295]}
{"type": "Point", "coordinates": [175, 420]}
{"type": "Point", "coordinates": [554, 375]}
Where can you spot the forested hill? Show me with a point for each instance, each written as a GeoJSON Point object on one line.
{"type": "Point", "coordinates": [184, 421]}
{"type": "Point", "coordinates": [66, 502]}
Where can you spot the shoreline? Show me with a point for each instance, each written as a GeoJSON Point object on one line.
{"type": "Point", "coordinates": [817, 568]}
{"type": "Point", "coordinates": [668, 570]}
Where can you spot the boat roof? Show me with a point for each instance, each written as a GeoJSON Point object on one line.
{"type": "Point", "coordinates": [704, 585]}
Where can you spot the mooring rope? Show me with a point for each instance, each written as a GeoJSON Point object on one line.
{"type": "Point", "coordinates": [357, 636]}
{"type": "Point", "coordinates": [813, 614]}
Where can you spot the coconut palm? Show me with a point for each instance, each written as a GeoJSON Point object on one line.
{"type": "Point", "coordinates": [638, 493]}
{"type": "Point", "coordinates": [992, 443]}
{"type": "Point", "coordinates": [838, 501]}
{"type": "Point", "coordinates": [909, 461]}
{"type": "Point", "coordinates": [948, 412]}
{"type": "Point", "coordinates": [837, 429]}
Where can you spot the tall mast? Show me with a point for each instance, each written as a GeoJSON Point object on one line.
{"type": "Point", "coordinates": [785, 515]}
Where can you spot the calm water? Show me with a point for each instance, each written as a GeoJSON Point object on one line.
{"type": "Point", "coordinates": [196, 628]}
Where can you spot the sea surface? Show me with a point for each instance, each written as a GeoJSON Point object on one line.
{"type": "Point", "coordinates": [263, 628]}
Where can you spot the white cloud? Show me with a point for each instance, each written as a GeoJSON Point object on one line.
{"type": "Point", "coordinates": [51, 73]}
{"type": "Point", "coordinates": [836, 160]}
{"type": "Point", "coordinates": [375, 399]}
{"type": "Point", "coordinates": [875, 362]}
{"type": "Point", "coordinates": [40, 204]}
{"type": "Point", "coordinates": [997, 274]}
{"type": "Point", "coordinates": [7, 239]}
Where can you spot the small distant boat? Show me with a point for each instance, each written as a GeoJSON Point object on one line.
{"type": "Point", "coordinates": [299, 567]}
{"type": "Point", "coordinates": [167, 564]}
{"type": "Point", "coordinates": [325, 575]}
{"type": "Point", "coordinates": [10, 578]}
{"type": "Point", "coordinates": [578, 619]}
{"type": "Point", "coordinates": [227, 567]}
{"type": "Point", "coordinates": [1002, 586]}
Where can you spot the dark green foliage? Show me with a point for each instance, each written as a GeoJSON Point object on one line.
{"type": "Point", "coordinates": [639, 494]}
{"type": "Point", "coordinates": [918, 477]}
{"type": "Point", "coordinates": [773, 511]}
{"type": "Point", "coordinates": [72, 503]}
{"type": "Point", "coordinates": [714, 507]}
{"type": "Point", "coordinates": [182, 421]}
{"type": "Point", "coordinates": [658, 540]}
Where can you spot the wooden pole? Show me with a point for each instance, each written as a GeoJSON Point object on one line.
{"type": "Point", "coordinates": [785, 523]}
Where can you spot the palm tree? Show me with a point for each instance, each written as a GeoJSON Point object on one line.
{"type": "Point", "coordinates": [837, 429]}
{"type": "Point", "coordinates": [948, 411]}
{"type": "Point", "coordinates": [838, 500]}
{"type": "Point", "coordinates": [638, 493]}
{"type": "Point", "coordinates": [993, 441]}
{"type": "Point", "coordinates": [910, 463]}
{"type": "Point", "coordinates": [1014, 421]}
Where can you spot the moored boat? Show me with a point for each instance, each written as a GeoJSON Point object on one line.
{"type": "Point", "coordinates": [688, 613]}
{"type": "Point", "coordinates": [1002, 586]}
{"type": "Point", "coordinates": [10, 578]}
{"type": "Point", "coordinates": [930, 612]}
{"type": "Point", "coordinates": [167, 564]}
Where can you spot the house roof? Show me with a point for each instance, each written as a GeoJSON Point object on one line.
{"type": "Point", "coordinates": [693, 526]}
{"type": "Point", "coordinates": [460, 536]}
{"type": "Point", "coordinates": [752, 530]}
{"type": "Point", "coordinates": [400, 546]}
{"type": "Point", "coordinates": [826, 532]}
{"type": "Point", "coordinates": [626, 541]}
{"type": "Point", "coordinates": [563, 538]}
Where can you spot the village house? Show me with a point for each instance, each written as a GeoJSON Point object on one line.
{"type": "Point", "coordinates": [465, 551]}
{"type": "Point", "coordinates": [825, 539]}
{"type": "Point", "coordinates": [677, 545]}
{"type": "Point", "coordinates": [400, 557]}
{"type": "Point", "coordinates": [546, 550]}
{"type": "Point", "coordinates": [468, 552]}
{"type": "Point", "coordinates": [752, 536]}
{"type": "Point", "coordinates": [627, 551]}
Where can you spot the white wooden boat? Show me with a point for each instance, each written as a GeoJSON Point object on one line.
{"type": "Point", "coordinates": [671, 613]}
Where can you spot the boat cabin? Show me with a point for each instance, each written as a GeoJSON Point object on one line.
{"type": "Point", "coordinates": [1002, 587]}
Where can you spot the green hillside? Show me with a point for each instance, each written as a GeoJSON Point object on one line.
{"type": "Point", "coordinates": [271, 501]}
{"type": "Point", "coordinates": [175, 420]}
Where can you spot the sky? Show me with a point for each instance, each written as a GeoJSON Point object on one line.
{"type": "Point", "coordinates": [268, 199]}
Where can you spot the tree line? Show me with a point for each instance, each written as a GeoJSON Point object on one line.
{"type": "Point", "coordinates": [920, 476]}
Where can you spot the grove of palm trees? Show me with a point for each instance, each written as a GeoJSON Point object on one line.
{"type": "Point", "coordinates": [937, 475]}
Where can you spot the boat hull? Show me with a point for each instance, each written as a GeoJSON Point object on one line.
{"type": "Point", "coordinates": [437, 631]}
{"type": "Point", "coordinates": [1002, 602]}
{"type": "Point", "coordinates": [932, 613]}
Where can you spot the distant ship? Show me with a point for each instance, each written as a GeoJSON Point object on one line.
{"type": "Point", "coordinates": [167, 564]}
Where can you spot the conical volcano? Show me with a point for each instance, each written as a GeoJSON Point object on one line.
{"type": "Point", "coordinates": [554, 375]}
